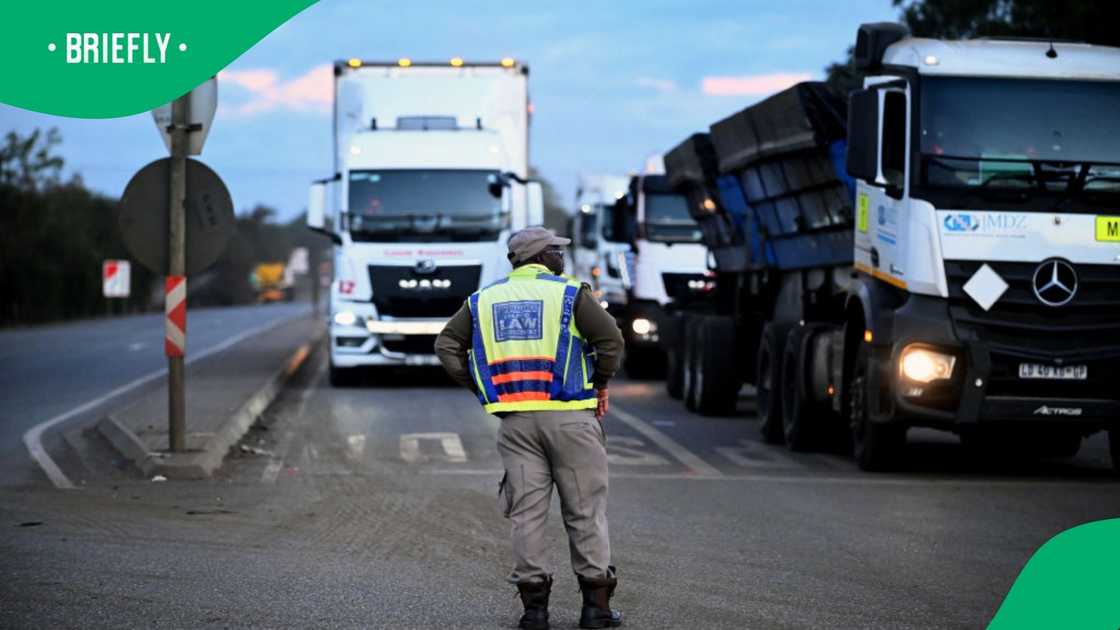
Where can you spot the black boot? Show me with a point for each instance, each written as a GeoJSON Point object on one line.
{"type": "Point", "coordinates": [534, 596]}
{"type": "Point", "coordinates": [597, 594]}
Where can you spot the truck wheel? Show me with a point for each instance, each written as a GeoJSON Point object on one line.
{"type": "Point", "coordinates": [768, 376]}
{"type": "Point", "coordinates": [716, 384]}
{"type": "Point", "coordinates": [800, 415]}
{"type": "Point", "coordinates": [690, 355]}
{"type": "Point", "coordinates": [874, 444]}
{"type": "Point", "coordinates": [674, 357]}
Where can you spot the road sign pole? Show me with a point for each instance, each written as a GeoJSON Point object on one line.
{"type": "Point", "coordinates": [177, 269]}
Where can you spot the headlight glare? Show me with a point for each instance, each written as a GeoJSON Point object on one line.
{"type": "Point", "coordinates": [345, 318]}
{"type": "Point", "coordinates": [923, 365]}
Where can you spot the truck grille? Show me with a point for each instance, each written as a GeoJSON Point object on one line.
{"type": "Point", "coordinates": [427, 298]}
{"type": "Point", "coordinates": [1090, 323]}
{"type": "Point", "coordinates": [411, 344]}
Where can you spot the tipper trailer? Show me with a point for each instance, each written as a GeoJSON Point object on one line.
{"type": "Point", "coordinates": [972, 281]}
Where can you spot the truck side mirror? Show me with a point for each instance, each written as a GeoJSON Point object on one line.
{"type": "Point", "coordinates": [317, 211]}
{"type": "Point", "coordinates": [862, 159]}
{"type": "Point", "coordinates": [535, 193]}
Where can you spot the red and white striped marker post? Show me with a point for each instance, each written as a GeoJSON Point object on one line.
{"type": "Point", "coordinates": [175, 309]}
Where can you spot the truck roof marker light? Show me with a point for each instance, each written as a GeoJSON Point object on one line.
{"type": "Point", "coordinates": [867, 336]}
{"type": "Point", "coordinates": [508, 62]}
{"type": "Point", "coordinates": [404, 62]}
{"type": "Point", "coordinates": [530, 107]}
{"type": "Point", "coordinates": [354, 62]}
{"type": "Point", "coordinates": [709, 205]}
{"type": "Point", "coordinates": [932, 60]}
{"type": "Point", "coordinates": [457, 62]}
{"type": "Point", "coordinates": [355, 150]}
{"type": "Point", "coordinates": [596, 271]}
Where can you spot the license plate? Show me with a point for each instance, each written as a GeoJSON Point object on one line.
{"type": "Point", "coordinates": [1054, 372]}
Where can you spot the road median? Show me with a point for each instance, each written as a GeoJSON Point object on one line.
{"type": "Point", "coordinates": [226, 393]}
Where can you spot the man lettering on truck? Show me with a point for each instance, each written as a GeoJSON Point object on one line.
{"type": "Point", "coordinates": [538, 350]}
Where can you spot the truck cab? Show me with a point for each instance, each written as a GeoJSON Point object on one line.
{"type": "Point", "coordinates": [598, 258]}
{"type": "Point", "coordinates": [988, 235]}
{"type": "Point", "coordinates": [424, 198]}
{"type": "Point", "coordinates": [666, 269]}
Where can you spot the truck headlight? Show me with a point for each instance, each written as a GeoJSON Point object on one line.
{"type": "Point", "coordinates": [923, 365]}
{"type": "Point", "coordinates": [642, 326]}
{"type": "Point", "coordinates": [345, 318]}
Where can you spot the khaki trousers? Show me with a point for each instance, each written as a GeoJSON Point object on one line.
{"type": "Point", "coordinates": [567, 449]}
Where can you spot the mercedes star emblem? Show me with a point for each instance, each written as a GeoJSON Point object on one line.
{"type": "Point", "coordinates": [1055, 282]}
{"type": "Point", "coordinates": [425, 266]}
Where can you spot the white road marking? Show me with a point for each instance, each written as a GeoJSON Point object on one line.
{"type": "Point", "coordinates": [866, 479]}
{"type": "Point", "coordinates": [757, 455]}
{"type": "Point", "coordinates": [682, 454]}
{"type": "Point", "coordinates": [628, 451]}
{"type": "Point", "coordinates": [452, 447]}
{"type": "Point", "coordinates": [283, 449]}
{"type": "Point", "coordinates": [271, 471]}
{"type": "Point", "coordinates": [356, 445]}
{"type": "Point", "coordinates": [33, 437]}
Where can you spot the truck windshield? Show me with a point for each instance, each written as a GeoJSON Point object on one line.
{"type": "Point", "coordinates": [589, 228]}
{"type": "Point", "coordinates": [424, 206]}
{"type": "Point", "coordinates": [667, 219]}
{"type": "Point", "coordinates": [1024, 135]}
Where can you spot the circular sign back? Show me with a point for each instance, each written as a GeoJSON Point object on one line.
{"type": "Point", "coordinates": [143, 216]}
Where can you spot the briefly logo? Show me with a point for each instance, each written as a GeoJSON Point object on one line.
{"type": "Point", "coordinates": [425, 266]}
{"type": "Point", "coordinates": [1054, 282]}
{"type": "Point", "coordinates": [961, 223]}
{"type": "Point", "coordinates": [1057, 411]}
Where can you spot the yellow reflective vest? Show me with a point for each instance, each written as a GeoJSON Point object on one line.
{"type": "Point", "coordinates": [526, 353]}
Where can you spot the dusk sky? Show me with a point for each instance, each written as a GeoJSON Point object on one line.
{"type": "Point", "coordinates": [611, 83]}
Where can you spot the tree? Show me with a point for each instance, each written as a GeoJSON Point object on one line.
{"type": "Point", "coordinates": [28, 163]}
{"type": "Point", "coordinates": [1091, 21]}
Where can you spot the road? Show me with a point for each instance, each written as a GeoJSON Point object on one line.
{"type": "Point", "coordinates": [375, 506]}
{"type": "Point", "coordinates": [49, 370]}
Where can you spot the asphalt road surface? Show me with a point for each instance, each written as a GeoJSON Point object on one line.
{"type": "Point", "coordinates": [50, 370]}
{"type": "Point", "coordinates": [375, 506]}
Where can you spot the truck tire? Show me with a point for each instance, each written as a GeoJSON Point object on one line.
{"type": "Point", "coordinates": [716, 382]}
{"type": "Point", "coordinates": [801, 416]}
{"type": "Point", "coordinates": [674, 356]}
{"type": "Point", "coordinates": [875, 445]}
{"type": "Point", "coordinates": [691, 352]}
{"type": "Point", "coordinates": [768, 376]}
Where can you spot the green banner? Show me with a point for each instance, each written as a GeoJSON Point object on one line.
{"type": "Point", "coordinates": [1070, 582]}
{"type": "Point", "coordinates": [89, 59]}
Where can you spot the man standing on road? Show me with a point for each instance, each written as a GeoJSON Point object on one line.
{"type": "Point", "coordinates": [538, 350]}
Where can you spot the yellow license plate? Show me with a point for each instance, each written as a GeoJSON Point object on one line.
{"type": "Point", "coordinates": [1108, 229]}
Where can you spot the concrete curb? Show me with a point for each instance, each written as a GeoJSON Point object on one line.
{"type": "Point", "coordinates": [201, 464]}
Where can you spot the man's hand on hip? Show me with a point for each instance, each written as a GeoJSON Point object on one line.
{"type": "Point", "coordinates": [604, 403]}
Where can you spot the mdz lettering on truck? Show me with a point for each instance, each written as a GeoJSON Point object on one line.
{"type": "Point", "coordinates": [941, 249]}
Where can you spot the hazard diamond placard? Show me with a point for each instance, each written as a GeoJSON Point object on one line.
{"type": "Point", "coordinates": [116, 278]}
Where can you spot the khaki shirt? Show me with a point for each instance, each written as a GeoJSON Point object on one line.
{"type": "Point", "coordinates": [594, 324]}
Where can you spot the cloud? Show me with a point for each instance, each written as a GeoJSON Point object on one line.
{"type": "Point", "coordinates": [664, 86]}
{"type": "Point", "coordinates": [751, 84]}
{"type": "Point", "coordinates": [309, 92]}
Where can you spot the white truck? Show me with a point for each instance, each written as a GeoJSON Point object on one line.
{"type": "Point", "coordinates": [667, 270]}
{"type": "Point", "coordinates": [597, 257]}
{"type": "Point", "coordinates": [967, 280]}
{"type": "Point", "coordinates": [431, 168]}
